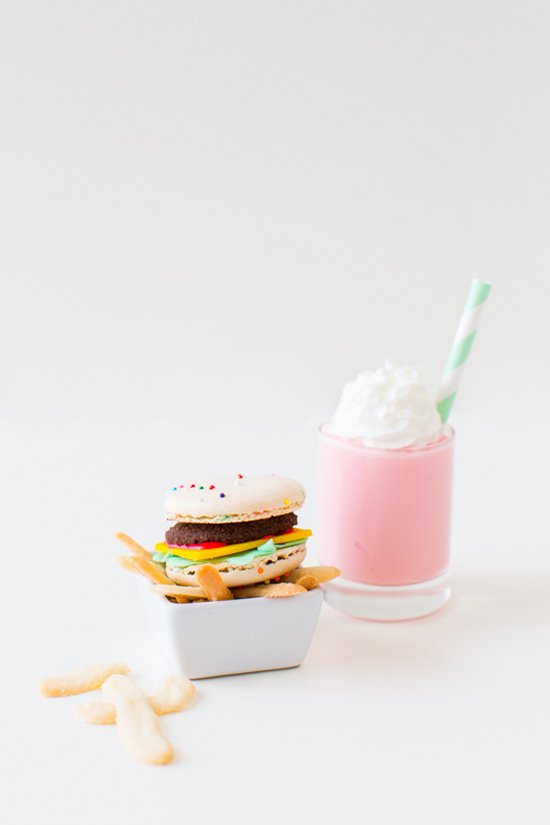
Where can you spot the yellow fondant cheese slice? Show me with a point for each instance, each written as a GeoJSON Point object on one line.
{"type": "Point", "coordinates": [229, 549]}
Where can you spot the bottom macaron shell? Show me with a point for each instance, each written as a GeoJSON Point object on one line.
{"type": "Point", "coordinates": [267, 567]}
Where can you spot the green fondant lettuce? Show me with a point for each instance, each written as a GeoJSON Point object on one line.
{"type": "Point", "coordinates": [267, 549]}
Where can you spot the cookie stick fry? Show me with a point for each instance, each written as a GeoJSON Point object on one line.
{"type": "Point", "coordinates": [97, 713]}
{"type": "Point", "coordinates": [271, 591]}
{"type": "Point", "coordinates": [150, 570]}
{"type": "Point", "coordinates": [179, 590]}
{"type": "Point", "coordinates": [81, 681]}
{"type": "Point", "coordinates": [135, 548]}
{"type": "Point", "coordinates": [126, 563]}
{"type": "Point", "coordinates": [212, 583]}
{"type": "Point", "coordinates": [137, 724]}
{"type": "Point", "coordinates": [308, 581]}
{"type": "Point", "coordinates": [323, 573]}
{"type": "Point", "coordinates": [175, 693]}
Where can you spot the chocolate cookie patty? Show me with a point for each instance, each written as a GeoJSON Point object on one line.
{"type": "Point", "coordinates": [230, 532]}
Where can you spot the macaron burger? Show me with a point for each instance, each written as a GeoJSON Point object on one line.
{"type": "Point", "coordinates": [243, 525]}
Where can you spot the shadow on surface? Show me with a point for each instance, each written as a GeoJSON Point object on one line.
{"type": "Point", "coordinates": [482, 610]}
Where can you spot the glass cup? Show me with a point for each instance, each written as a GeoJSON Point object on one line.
{"type": "Point", "coordinates": [384, 520]}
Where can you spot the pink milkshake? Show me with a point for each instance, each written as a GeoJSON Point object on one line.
{"type": "Point", "coordinates": [385, 483]}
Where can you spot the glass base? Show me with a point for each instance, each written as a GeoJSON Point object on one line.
{"type": "Point", "coordinates": [388, 603]}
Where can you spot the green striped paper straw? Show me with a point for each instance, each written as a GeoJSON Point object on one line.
{"type": "Point", "coordinates": [460, 349]}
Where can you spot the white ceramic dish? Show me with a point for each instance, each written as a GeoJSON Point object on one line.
{"type": "Point", "coordinates": [240, 636]}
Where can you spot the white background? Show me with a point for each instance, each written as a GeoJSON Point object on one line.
{"type": "Point", "coordinates": [212, 215]}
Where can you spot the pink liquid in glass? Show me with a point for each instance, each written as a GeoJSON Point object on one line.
{"type": "Point", "coordinates": [385, 515]}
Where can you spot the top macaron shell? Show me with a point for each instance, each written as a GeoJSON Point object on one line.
{"type": "Point", "coordinates": [233, 498]}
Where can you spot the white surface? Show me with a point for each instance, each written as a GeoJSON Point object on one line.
{"type": "Point", "coordinates": [207, 201]}
{"type": "Point", "coordinates": [213, 214]}
{"type": "Point", "coordinates": [444, 719]}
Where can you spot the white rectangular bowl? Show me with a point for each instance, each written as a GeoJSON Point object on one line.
{"type": "Point", "coordinates": [238, 636]}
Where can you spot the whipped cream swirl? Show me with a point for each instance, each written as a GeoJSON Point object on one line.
{"type": "Point", "coordinates": [387, 408]}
